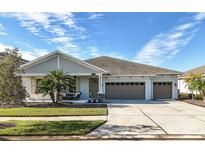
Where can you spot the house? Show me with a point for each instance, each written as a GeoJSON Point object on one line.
{"type": "Point", "coordinates": [182, 85]}
{"type": "Point", "coordinates": [116, 78]}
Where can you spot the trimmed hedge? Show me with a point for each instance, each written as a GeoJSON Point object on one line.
{"type": "Point", "coordinates": [189, 96]}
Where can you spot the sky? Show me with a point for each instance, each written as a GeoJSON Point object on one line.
{"type": "Point", "coordinates": [170, 40]}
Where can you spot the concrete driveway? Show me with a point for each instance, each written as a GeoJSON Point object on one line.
{"type": "Point", "coordinates": [129, 119]}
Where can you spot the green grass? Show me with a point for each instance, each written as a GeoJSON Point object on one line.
{"type": "Point", "coordinates": [45, 112]}
{"type": "Point", "coordinates": [49, 127]}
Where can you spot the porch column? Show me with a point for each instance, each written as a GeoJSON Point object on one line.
{"type": "Point", "coordinates": [100, 84]}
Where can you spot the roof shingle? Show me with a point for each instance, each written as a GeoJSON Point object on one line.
{"type": "Point", "coordinates": [197, 70]}
{"type": "Point", "coordinates": [122, 67]}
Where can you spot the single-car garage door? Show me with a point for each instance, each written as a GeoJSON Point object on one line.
{"type": "Point", "coordinates": [162, 90]}
{"type": "Point", "coordinates": [125, 90]}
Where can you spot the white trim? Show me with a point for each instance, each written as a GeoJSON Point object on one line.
{"type": "Point", "coordinates": [141, 75]}
{"type": "Point", "coordinates": [143, 81]}
{"type": "Point", "coordinates": [169, 73]}
{"type": "Point", "coordinates": [46, 57]}
{"type": "Point", "coordinates": [43, 74]}
{"type": "Point", "coordinates": [58, 62]}
{"type": "Point", "coordinates": [100, 84]}
{"type": "Point", "coordinates": [33, 74]}
{"type": "Point", "coordinates": [164, 81]}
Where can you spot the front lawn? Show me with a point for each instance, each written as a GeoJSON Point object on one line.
{"type": "Point", "coordinates": [46, 112]}
{"type": "Point", "coordinates": [48, 127]}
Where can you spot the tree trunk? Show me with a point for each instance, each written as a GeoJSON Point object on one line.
{"type": "Point", "coordinates": [57, 96]}
{"type": "Point", "coordinates": [192, 95]}
{"type": "Point", "coordinates": [203, 95]}
{"type": "Point", "coordinates": [52, 96]}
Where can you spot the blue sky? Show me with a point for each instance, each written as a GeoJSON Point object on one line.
{"type": "Point", "coordinates": [171, 40]}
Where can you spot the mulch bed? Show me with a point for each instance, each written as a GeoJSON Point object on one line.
{"type": "Point", "coordinates": [60, 105]}
{"type": "Point", "coordinates": [195, 102]}
{"type": "Point", "coordinates": [5, 125]}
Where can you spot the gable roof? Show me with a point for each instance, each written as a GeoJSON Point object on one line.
{"type": "Point", "coordinates": [197, 70]}
{"type": "Point", "coordinates": [50, 55]}
{"type": "Point", "coordinates": [122, 67]}
{"type": "Point", "coordinates": [3, 54]}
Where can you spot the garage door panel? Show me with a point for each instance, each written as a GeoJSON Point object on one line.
{"type": "Point", "coordinates": [125, 90]}
{"type": "Point", "coordinates": [162, 90]}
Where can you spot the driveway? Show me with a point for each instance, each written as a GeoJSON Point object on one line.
{"type": "Point", "coordinates": [129, 119]}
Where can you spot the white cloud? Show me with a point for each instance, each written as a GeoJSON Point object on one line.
{"type": "Point", "coordinates": [3, 47]}
{"type": "Point", "coordinates": [60, 28]}
{"type": "Point", "coordinates": [166, 45]}
{"type": "Point", "coordinates": [95, 16]}
{"type": "Point", "coordinates": [61, 39]}
{"type": "Point", "coordinates": [58, 31]}
{"type": "Point", "coordinates": [94, 51]}
{"type": "Point", "coordinates": [116, 55]}
{"type": "Point", "coordinates": [185, 26]}
{"type": "Point", "coordinates": [30, 54]}
{"type": "Point", "coordinates": [199, 16]}
{"type": "Point", "coordinates": [2, 32]}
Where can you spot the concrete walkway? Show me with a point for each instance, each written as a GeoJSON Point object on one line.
{"type": "Point", "coordinates": [152, 118]}
{"type": "Point", "coordinates": [60, 118]}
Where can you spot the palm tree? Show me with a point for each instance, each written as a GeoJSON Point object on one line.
{"type": "Point", "coordinates": [53, 84]}
{"type": "Point", "coordinates": [196, 82]}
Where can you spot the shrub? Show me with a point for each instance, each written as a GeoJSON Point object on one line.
{"type": "Point", "coordinates": [185, 96]}
{"type": "Point", "coordinates": [198, 97]}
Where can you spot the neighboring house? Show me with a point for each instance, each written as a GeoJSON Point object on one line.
{"type": "Point", "coordinates": [2, 55]}
{"type": "Point", "coordinates": [116, 78]}
{"type": "Point", "coordinates": [182, 85]}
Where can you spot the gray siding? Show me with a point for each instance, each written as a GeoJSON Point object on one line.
{"type": "Point", "coordinates": [67, 65]}
{"type": "Point", "coordinates": [73, 67]}
{"type": "Point", "coordinates": [43, 67]}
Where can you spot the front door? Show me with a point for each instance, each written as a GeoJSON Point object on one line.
{"type": "Point", "coordinates": [93, 87]}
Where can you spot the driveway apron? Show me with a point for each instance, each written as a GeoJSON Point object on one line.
{"type": "Point", "coordinates": [159, 118]}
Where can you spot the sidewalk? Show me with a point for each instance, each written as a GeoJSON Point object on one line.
{"type": "Point", "coordinates": [60, 118]}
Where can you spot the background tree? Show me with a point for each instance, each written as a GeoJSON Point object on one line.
{"type": "Point", "coordinates": [196, 82]}
{"type": "Point", "coordinates": [11, 87]}
{"type": "Point", "coordinates": [54, 83]}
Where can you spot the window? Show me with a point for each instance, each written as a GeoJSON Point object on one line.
{"type": "Point", "coordinates": [72, 88]}
{"type": "Point", "coordinates": [164, 83]}
{"type": "Point", "coordinates": [132, 83]}
{"type": "Point", "coordinates": [127, 83]}
{"type": "Point", "coordinates": [37, 86]}
{"type": "Point", "coordinates": [141, 83]}
{"type": "Point", "coordinates": [117, 83]}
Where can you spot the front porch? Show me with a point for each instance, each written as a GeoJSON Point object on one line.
{"type": "Point", "coordinates": [88, 85]}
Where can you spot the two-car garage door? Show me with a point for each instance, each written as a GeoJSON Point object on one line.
{"type": "Point", "coordinates": [125, 90]}
{"type": "Point", "coordinates": [136, 90]}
